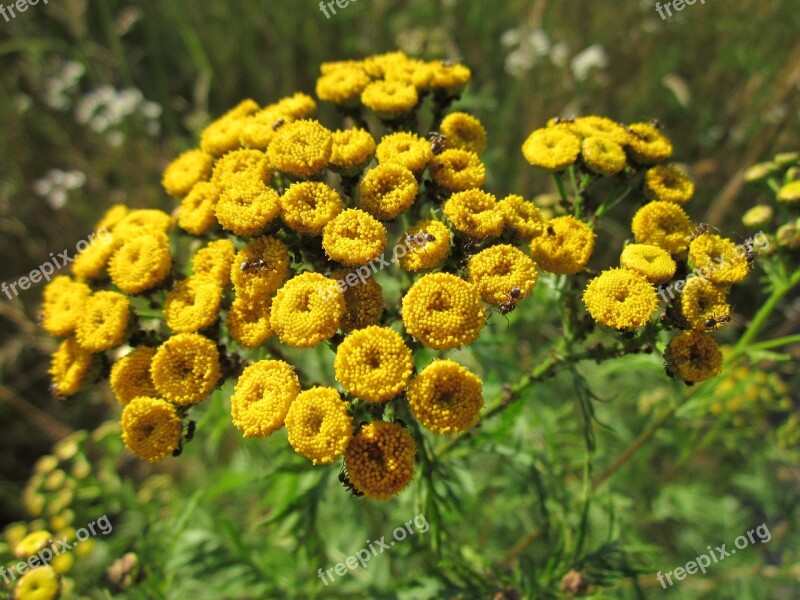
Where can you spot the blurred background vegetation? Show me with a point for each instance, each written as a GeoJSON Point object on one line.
{"type": "Point", "coordinates": [96, 98]}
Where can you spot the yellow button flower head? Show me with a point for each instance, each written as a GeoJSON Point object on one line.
{"type": "Point", "coordinates": [388, 190]}
{"type": "Point", "coordinates": [443, 311]}
{"type": "Point", "coordinates": [352, 148]}
{"type": "Point", "coordinates": [33, 542]}
{"type": "Point", "coordinates": [521, 217]}
{"type": "Point", "coordinates": [215, 260]}
{"type": "Point", "coordinates": [552, 148]}
{"type": "Point", "coordinates": [69, 366]}
{"type": "Point", "coordinates": [197, 213]}
{"type": "Point", "coordinates": [380, 459]}
{"type": "Point", "coordinates": [789, 192]}
{"type": "Point", "coordinates": [700, 301]}
{"type": "Point", "coordinates": [373, 363]}
{"type": "Point", "coordinates": [450, 77]}
{"type": "Point", "coordinates": [663, 224]}
{"type": "Point", "coordinates": [668, 183]}
{"type": "Point", "coordinates": [410, 71]}
{"type": "Point", "coordinates": [496, 270]}
{"type": "Point", "coordinates": [296, 106]}
{"type": "Point", "coordinates": [310, 205]}
{"type": "Point", "coordinates": [258, 129]}
{"type": "Point", "coordinates": [445, 397]}
{"type": "Point", "coordinates": [63, 305]}
{"type": "Point", "coordinates": [193, 304]}
{"type": "Point", "coordinates": [758, 216]}
{"type": "Point", "coordinates": [262, 397]}
{"type": "Point", "coordinates": [364, 301]}
{"type": "Point", "coordinates": [390, 99]}
{"type": "Point", "coordinates": [647, 144]}
{"type": "Point", "coordinates": [603, 155]}
{"type": "Point", "coordinates": [603, 127]}
{"type": "Point", "coordinates": [301, 148]}
{"type": "Point", "coordinates": [653, 262]}
{"type": "Point", "coordinates": [130, 375]}
{"type": "Point", "coordinates": [307, 310]}
{"type": "Point", "coordinates": [377, 65]}
{"type": "Point", "coordinates": [458, 170]}
{"type": "Point", "coordinates": [333, 65]}
{"type": "Point", "coordinates": [248, 321]}
{"type": "Point", "coordinates": [318, 425]}
{"type": "Point", "coordinates": [719, 257]}
{"type": "Point", "coordinates": [354, 237]}
{"type": "Point", "coordinates": [475, 213]}
{"type": "Point", "coordinates": [427, 243]}
{"type": "Point", "coordinates": [222, 135]}
{"type": "Point", "coordinates": [693, 356]}
{"type": "Point", "coordinates": [247, 207]}
{"type": "Point", "coordinates": [565, 246]}
{"type": "Point", "coordinates": [463, 132]}
{"type": "Point", "coordinates": [185, 171]}
{"type": "Point", "coordinates": [141, 221]}
{"type": "Point", "coordinates": [256, 280]}
{"type": "Point", "coordinates": [246, 164]}
{"type": "Point", "coordinates": [142, 262]}
{"type": "Point", "coordinates": [620, 299]}
{"type": "Point", "coordinates": [104, 321]}
{"type": "Point", "coordinates": [185, 368]}
{"type": "Point", "coordinates": [405, 148]}
{"type": "Point", "coordinates": [91, 263]}
{"type": "Point", "coordinates": [343, 85]}
{"type": "Point", "coordinates": [40, 583]}
{"type": "Point", "coordinates": [151, 428]}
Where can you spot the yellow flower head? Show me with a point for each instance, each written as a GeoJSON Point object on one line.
{"type": "Point", "coordinates": [521, 217]}
{"type": "Point", "coordinates": [91, 263]}
{"type": "Point", "coordinates": [310, 205]}
{"type": "Point", "coordinates": [40, 583]}
{"type": "Point", "coordinates": [373, 363]}
{"type": "Point", "coordinates": [142, 262]}
{"type": "Point", "coordinates": [296, 106]}
{"type": "Point", "coordinates": [603, 155]}
{"type": "Point", "coordinates": [34, 541]}
{"type": "Point", "coordinates": [197, 213]}
{"type": "Point", "coordinates": [352, 148]}
{"type": "Point", "coordinates": [789, 192]}
{"type": "Point", "coordinates": [390, 99]}
{"type": "Point", "coordinates": [552, 148]}
{"type": "Point", "coordinates": [387, 190]}
{"type": "Point", "coordinates": [663, 224]}
{"type": "Point", "coordinates": [343, 85]}
{"type": "Point", "coordinates": [301, 148]}
{"type": "Point", "coordinates": [450, 77]}
{"type": "Point", "coordinates": [377, 65]}
{"type": "Point", "coordinates": [193, 304]}
{"type": "Point", "coordinates": [222, 135]}
{"type": "Point", "coordinates": [318, 425]}
{"type": "Point", "coordinates": [262, 397]}
{"type": "Point", "coordinates": [668, 183]}
{"type": "Point", "coordinates": [260, 268]}
{"type": "Point", "coordinates": [462, 131]}
{"type": "Point", "coordinates": [443, 311]}
{"type": "Point", "coordinates": [104, 321]}
{"type": "Point", "coordinates": [151, 428]}
{"type": "Point", "coordinates": [565, 246]}
{"type": "Point", "coordinates": [130, 375]}
{"type": "Point", "coordinates": [215, 261]}
{"type": "Point", "coordinates": [758, 216]}
{"type": "Point", "coordinates": [380, 459]}
{"type": "Point", "coordinates": [69, 366]}
{"type": "Point", "coordinates": [458, 170]}
{"type": "Point", "coordinates": [496, 270]}
{"type": "Point", "coordinates": [427, 243]}
{"type": "Point", "coordinates": [185, 368]}
{"type": "Point", "coordinates": [445, 397]}
{"type": "Point", "coordinates": [653, 262]}
{"type": "Point", "coordinates": [247, 207]}
{"type": "Point", "coordinates": [647, 144]}
{"type": "Point", "coordinates": [620, 299]}
{"type": "Point", "coordinates": [410, 71]}
{"type": "Point", "coordinates": [701, 301]}
{"type": "Point", "coordinates": [719, 257]}
{"type": "Point", "coordinates": [693, 356]}
{"type": "Point", "coordinates": [599, 127]}
{"type": "Point", "coordinates": [63, 305]}
{"type": "Point", "coordinates": [139, 222]}
{"type": "Point", "coordinates": [247, 164]}
{"type": "Point", "coordinates": [185, 171]}
{"type": "Point", "coordinates": [363, 300]}
{"type": "Point", "coordinates": [248, 321]}
{"type": "Point", "coordinates": [258, 129]}
{"type": "Point", "coordinates": [354, 237]}
{"type": "Point", "coordinates": [307, 310]}
{"type": "Point", "coordinates": [405, 148]}
{"type": "Point", "coordinates": [475, 213]}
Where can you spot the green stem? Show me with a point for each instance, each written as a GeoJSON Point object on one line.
{"type": "Point", "coordinates": [776, 343]}
{"type": "Point", "coordinates": [560, 187]}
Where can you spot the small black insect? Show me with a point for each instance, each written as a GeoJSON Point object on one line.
{"type": "Point", "coordinates": [713, 321]}
{"type": "Point", "coordinates": [278, 124]}
{"type": "Point", "coordinates": [437, 141]}
{"type": "Point", "coordinates": [344, 479]}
